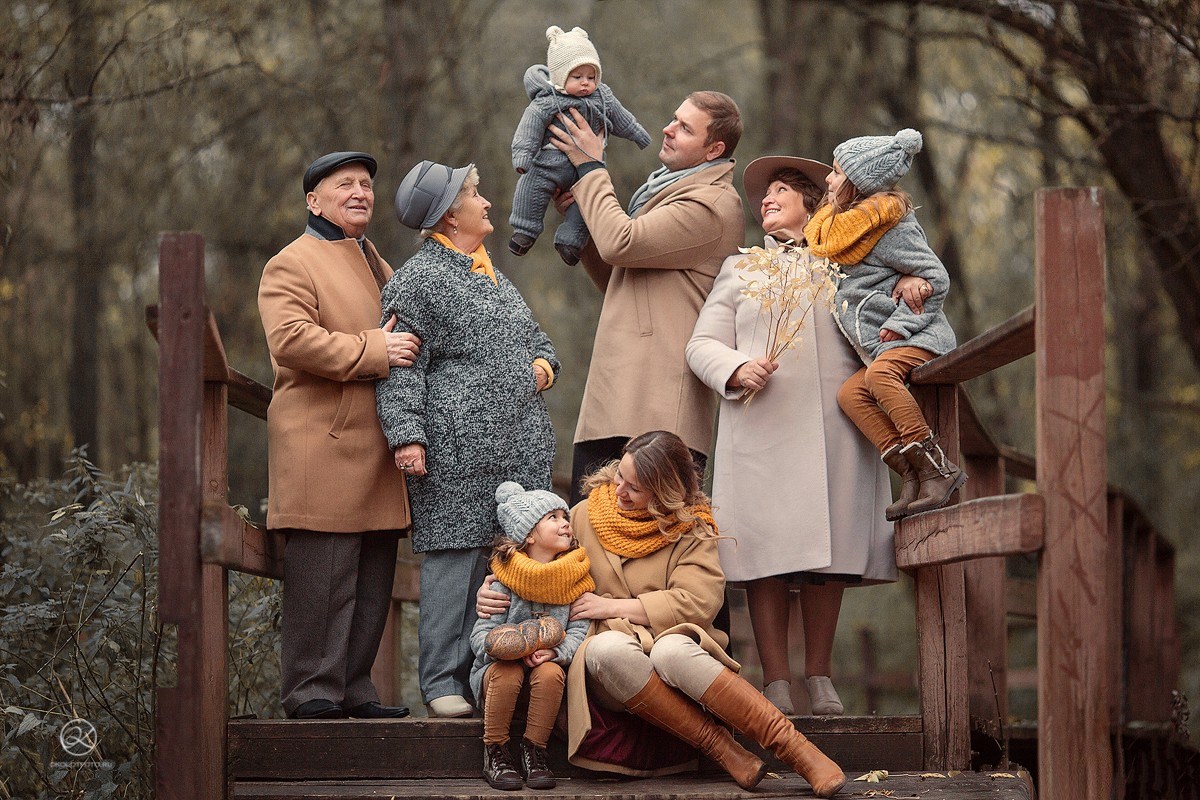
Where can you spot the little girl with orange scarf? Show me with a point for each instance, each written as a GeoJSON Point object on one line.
{"type": "Point", "coordinates": [868, 227]}
{"type": "Point", "coordinates": [542, 569]}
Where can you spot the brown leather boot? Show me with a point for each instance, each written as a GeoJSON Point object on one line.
{"type": "Point", "coordinates": [675, 712]}
{"type": "Point", "coordinates": [908, 489]}
{"type": "Point", "coordinates": [738, 703]}
{"type": "Point", "coordinates": [940, 477]}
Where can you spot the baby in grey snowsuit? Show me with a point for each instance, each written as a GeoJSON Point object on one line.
{"type": "Point", "coordinates": [570, 79]}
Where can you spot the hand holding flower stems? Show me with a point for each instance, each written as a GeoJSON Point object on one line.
{"type": "Point", "coordinates": [792, 283]}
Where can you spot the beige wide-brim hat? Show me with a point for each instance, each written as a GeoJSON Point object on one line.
{"type": "Point", "coordinates": [757, 176]}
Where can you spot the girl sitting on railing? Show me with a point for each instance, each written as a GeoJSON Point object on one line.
{"type": "Point", "coordinates": [868, 227]}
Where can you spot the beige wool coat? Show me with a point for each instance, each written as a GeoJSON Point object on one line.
{"type": "Point", "coordinates": [681, 587]}
{"type": "Point", "coordinates": [796, 486]}
{"type": "Point", "coordinates": [330, 466]}
{"type": "Point", "coordinates": [655, 271]}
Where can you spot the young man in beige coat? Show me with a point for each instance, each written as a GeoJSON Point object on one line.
{"type": "Point", "coordinates": [656, 265]}
{"type": "Point", "coordinates": [334, 487]}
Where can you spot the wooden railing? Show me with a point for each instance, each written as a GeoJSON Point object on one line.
{"type": "Point", "coordinates": [1108, 649]}
{"type": "Point", "coordinates": [201, 537]}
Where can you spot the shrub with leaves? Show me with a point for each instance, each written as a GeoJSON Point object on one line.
{"type": "Point", "coordinates": [80, 638]}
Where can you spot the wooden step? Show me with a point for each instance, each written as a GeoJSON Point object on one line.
{"type": "Point", "coordinates": [959, 786]}
{"type": "Point", "coordinates": [333, 750]}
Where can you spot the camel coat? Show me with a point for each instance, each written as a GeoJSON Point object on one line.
{"type": "Point", "coordinates": [329, 464]}
{"type": "Point", "coordinates": [655, 271]}
{"type": "Point", "coordinates": [795, 485]}
{"type": "Point", "coordinates": [682, 588]}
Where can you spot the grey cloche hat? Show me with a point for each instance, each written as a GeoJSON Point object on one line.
{"type": "Point", "coordinates": [331, 161]}
{"type": "Point", "coordinates": [876, 163]}
{"type": "Point", "coordinates": [757, 176]}
{"type": "Point", "coordinates": [426, 192]}
{"type": "Point", "coordinates": [568, 50]}
{"type": "Point", "coordinates": [519, 510]}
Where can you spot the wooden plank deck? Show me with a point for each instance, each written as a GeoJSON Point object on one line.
{"type": "Point", "coordinates": [1013, 785]}
{"type": "Point", "coordinates": [281, 750]}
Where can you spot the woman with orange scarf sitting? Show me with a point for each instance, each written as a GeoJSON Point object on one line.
{"type": "Point", "coordinates": [652, 654]}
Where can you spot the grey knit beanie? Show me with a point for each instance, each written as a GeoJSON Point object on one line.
{"type": "Point", "coordinates": [876, 163]}
{"type": "Point", "coordinates": [567, 51]}
{"type": "Point", "coordinates": [519, 510]}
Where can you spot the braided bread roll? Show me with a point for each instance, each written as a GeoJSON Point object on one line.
{"type": "Point", "coordinates": [511, 642]}
{"type": "Point", "coordinates": [550, 631]}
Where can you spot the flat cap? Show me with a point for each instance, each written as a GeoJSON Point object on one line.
{"type": "Point", "coordinates": [426, 193]}
{"type": "Point", "coordinates": [331, 161]}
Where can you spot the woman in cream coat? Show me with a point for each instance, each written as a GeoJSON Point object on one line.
{"type": "Point", "coordinates": [798, 491]}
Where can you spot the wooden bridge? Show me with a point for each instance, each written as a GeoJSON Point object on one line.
{"type": "Point", "coordinates": [1103, 602]}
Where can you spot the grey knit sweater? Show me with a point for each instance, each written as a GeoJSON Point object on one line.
{"type": "Point", "coordinates": [518, 611]}
{"type": "Point", "coordinates": [601, 109]}
{"type": "Point", "coordinates": [470, 398]}
{"type": "Point", "coordinates": [864, 304]}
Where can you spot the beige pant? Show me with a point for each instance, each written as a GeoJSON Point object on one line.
{"type": "Point", "coordinates": [877, 401]}
{"type": "Point", "coordinates": [616, 664]}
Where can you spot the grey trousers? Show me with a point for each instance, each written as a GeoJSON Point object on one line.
{"type": "Point", "coordinates": [449, 579]}
{"type": "Point", "coordinates": [337, 590]}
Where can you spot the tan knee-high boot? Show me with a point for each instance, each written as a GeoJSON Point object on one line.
{"type": "Point", "coordinates": [673, 711]}
{"type": "Point", "coordinates": [738, 703]}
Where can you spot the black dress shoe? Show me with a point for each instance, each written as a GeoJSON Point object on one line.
{"type": "Point", "coordinates": [372, 709]}
{"type": "Point", "coordinates": [318, 709]}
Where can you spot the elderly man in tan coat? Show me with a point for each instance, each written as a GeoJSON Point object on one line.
{"type": "Point", "coordinates": [334, 488]}
{"type": "Point", "coordinates": [655, 265]}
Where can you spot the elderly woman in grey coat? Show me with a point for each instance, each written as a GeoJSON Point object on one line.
{"type": "Point", "coordinates": [797, 490]}
{"type": "Point", "coordinates": [466, 416]}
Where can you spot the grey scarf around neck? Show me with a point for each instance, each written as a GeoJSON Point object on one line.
{"type": "Point", "coordinates": [661, 178]}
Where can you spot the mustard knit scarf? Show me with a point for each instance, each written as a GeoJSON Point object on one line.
{"type": "Point", "coordinates": [556, 583]}
{"type": "Point", "coordinates": [633, 534]}
{"type": "Point", "coordinates": [481, 262]}
{"type": "Point", "coordinates": [847, 237]}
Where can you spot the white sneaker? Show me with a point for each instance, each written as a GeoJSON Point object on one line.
{"type": "Point", "coordinates": [823, 697]}
{"type": "Point", "coordinates": [449, 705]}
{"type": "Point", "coordinates": [780, 694]}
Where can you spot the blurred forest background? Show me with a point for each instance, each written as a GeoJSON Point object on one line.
{"type": "Point", "coordinates": [123, 118]}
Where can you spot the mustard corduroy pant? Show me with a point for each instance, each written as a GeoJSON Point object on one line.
{"type": "Point", "coordinates": [877, 401]}
{"type": "Point", "coordinates": [502, 684]}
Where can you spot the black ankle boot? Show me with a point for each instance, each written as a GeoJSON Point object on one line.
{"type": "Point", "coordinates": [498, 768]}
{"type": "Point", "coordinates": [535, 765]}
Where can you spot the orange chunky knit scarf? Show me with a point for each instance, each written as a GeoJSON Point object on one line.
{"type": "Point", "coordinates": [557, 582]}
{"type": "Point", "coordinates": [633, 534]}
{"type": "Point", "coordinates": [847, 237]}
{"type": "Point", "coordinates": [481, 262]}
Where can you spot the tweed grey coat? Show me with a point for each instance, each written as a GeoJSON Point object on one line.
{"type": "Point", "coordinates": [864, 304]}
{"type": "Point", "coordinates": [470, 398]}
{"type": "Point", "coordinates": [519, 611]}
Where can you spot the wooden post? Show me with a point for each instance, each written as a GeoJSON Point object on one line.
{"type": "Point", "coordinates": [1074, 755]}
{"type": "Point", "coordinates": [942, 622]}
{"type": "Point", "coordinates": [190, 723]}
{"type": "Point", "coordinates": [987, 626]}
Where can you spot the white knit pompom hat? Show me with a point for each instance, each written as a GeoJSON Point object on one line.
{"type": "Point", "coordinates": [519, 510]}
{"type": "Point", "coordinates": [567, 51]}
{"type": "Point", "coordinates": [876, 163]}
